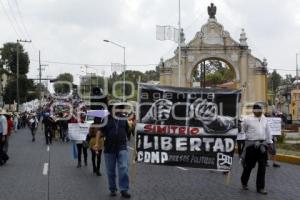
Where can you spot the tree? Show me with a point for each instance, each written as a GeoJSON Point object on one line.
{"type": "Point", "coordinates": [152, 75]}
{"type": "Point", "coordinates": [63, 83]}
{"type": "Point", "coordinates": [216, 72]}
{"type": "Point", "coordinates": [274, 81]}
{"type": "Point", "coordinates": [289, 79]}
{"type": "Point", "coordinates": [27, 90]}
{"type": "Point", "coordinates": [9, 58]}
{"type": "Point", "coordinates": [41, 89]}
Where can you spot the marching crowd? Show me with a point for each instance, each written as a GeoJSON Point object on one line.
{"type": "Point", "coordinates": [54, 125]}
{"type": "Point", "coordinates": [8, 124]}
{"type": "Point", "coordinates": [253, 148]}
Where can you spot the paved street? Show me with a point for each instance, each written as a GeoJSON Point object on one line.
{"type": "Point", "coordinates": [22, 178]}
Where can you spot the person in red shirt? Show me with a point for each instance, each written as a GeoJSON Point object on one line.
{"type": "Point", "coordinates": [10, 128]}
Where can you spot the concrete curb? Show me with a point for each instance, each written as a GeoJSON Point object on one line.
{"type": "Point", "coordinates": [288, 159]}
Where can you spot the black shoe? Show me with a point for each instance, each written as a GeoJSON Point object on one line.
{"type": "Point", "coordinates": [78, 165]}
{"type": "Point", "coordinates": [267, 165]}
{"type": "Point", "coordinates": [276, 165]}
{"type": "Point", "coordinates": [262, 191]}
{"type": "Point", "coordinates": [113, 193]}
{"type": "Point", "coordinates": [98, 174]}
{"type": "Point", "coordinates": [125, 194]}
{"type": "Point", "coordinates": [245, 187]}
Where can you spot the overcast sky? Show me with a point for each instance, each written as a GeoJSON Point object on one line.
{"type": "Point", "coordinates": [72, 31]}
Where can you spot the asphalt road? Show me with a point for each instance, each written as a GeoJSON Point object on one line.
{"type": "Point", "coordinates": [25, 177]}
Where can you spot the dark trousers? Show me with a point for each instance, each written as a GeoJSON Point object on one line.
{"type": "Point", "coordinates": [48, 136]}
{"type": "Point", "coordinates": [240, 145]}
{"type": "Point", "coordinates": [254, 155]}
{"type": "Point", "coordinates": [3, 155]}
{"type": "Point", "coordinates": [62, 134]}
{"type": "Point", "coordinates": [96, 160]}
{"type": "Point", "coordinates": [1, 150]}
{"type": "Point", "coordinates": [80, 150]}
{"type": "Point", "coordinates": [33, 132]}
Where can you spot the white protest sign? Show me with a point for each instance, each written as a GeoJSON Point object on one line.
{"type": "Point", "coordinates": [77, 131]}
{"type": "Point", "coordinates": [275, 125]}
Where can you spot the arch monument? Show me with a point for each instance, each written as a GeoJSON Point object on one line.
{"type": "Point", "coordinates": [213, 42]}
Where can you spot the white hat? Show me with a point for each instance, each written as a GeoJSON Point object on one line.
{"type": "Point", "coordinates": [3, 111]}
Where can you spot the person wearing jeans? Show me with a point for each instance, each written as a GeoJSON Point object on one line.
{"type": "Point", "coordinates": [115, 131]}
{"type": "Point", "coordinates": [121, 159]}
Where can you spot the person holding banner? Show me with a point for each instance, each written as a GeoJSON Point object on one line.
{"type": "Point", "coordinates": [258, 138]}
{"type": "Point", "coordinates": [240, 139]}
{"type": "Point", "coordinates": [115, 150]}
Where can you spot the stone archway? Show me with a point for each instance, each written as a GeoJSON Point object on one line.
{"type": "Point", "coordinates": [213, 42]}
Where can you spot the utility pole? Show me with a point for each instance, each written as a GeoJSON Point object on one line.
{"type": "Point", "coordinates": [40, 79]}
{"type": "Point", "coordinates": [297, 75]}
{"type": "Point", "coordinates": [18, 68]}
{"type": "Point", "coordinates": [179, 43]}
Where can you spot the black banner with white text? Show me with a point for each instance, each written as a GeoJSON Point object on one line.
{"type": "Point", "coordinates": [188, 127]}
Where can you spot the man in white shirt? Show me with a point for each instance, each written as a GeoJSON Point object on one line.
{"type": "Point", "coordinates": [258, 137]}
{"type": "Point", "coordinates": [3, 133]}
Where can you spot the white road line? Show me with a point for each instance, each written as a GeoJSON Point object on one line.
{"type": "Point", "coordinates": [45, 169]}
{"type": "Point", "coordinates": [48, 148]}
{"type": "Point", "coordinates": [182, 168]}
{"type": "Point", "coordinates": [130, 148]}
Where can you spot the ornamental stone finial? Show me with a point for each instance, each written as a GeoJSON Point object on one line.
{"type": "Point", "coordinates": [265, 62]}
{"type": "Point", "coordinates": [212, 10]}
{"type": "Point", "coordinates": [243, 38]}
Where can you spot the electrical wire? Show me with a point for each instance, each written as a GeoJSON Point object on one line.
{"type": "Point", "coordinates": [9, 19]}
{"type": "Point", "coordinates": [91, 65]}
{"type": "Point", "coordinates": [280, 69]}
{"type": "Point", "coordinates": [12, 12]}
{"type": "Point", "coordinates": [24, 24]}
{"type": "Point", "coordinates": [21, 18]}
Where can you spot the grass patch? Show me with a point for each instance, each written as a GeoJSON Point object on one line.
{"type": "Point", "coordinates": [288, 149]}
{"type": "Point", "coordinates": [292, 139]}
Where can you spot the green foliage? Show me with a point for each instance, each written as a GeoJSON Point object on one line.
{"type": "Point", "coordinates": [289, 79]}
{"type": "Point", "coordinates": [9, 58]}
{"type": "Point", "coordinates": [63, 88]}
{"type": "Point", "coordinates": [27, 90]}
{"type": "Point", "coordinates": [274, 81]}
{"type": "Point", "coordinates": [281, 138]}
{"type": "Point", "coordinates": [216, 72]}
{"type": "Point", "coordinates": [131, 76]}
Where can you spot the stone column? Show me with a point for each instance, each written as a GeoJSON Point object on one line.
{"type": "Point", "coordinates": [244, 76]}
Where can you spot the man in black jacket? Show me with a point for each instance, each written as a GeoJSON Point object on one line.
{"type": "Point", "coordinates": [115, 132]}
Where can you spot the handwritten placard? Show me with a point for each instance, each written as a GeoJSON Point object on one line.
{"type": "Point", "coordinates": [275, 125]}
{"type": "Point", "coordinates": [78, 132]}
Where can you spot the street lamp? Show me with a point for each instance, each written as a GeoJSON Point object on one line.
{"type": "Point", "coordinates": [124, 69]}
{"type": "Point", "coordinates": [18, 91]}
{"type": "Point", "coordinates": [297, 75]}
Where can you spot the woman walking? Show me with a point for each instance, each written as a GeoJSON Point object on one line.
{"type": "Point", "coordinates": [96, 154]}
{"type": "Point", "coordinates": [33, 124]}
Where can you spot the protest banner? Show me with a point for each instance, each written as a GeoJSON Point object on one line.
{"type": "Point", "coordinates": [78, 132]}
{"type": "Point", "coordinates": [188, 127]}
{"type": "Point", "coordinates": [275, 125]}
